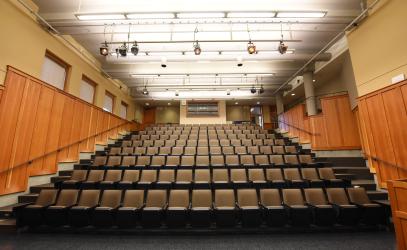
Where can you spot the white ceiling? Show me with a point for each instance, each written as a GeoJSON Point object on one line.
{"type": "Point", "coordinates": [304, 36]}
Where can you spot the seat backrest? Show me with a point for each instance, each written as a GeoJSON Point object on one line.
{"type": "Point", "coordinates": [165, 150]}
{"type": "Point", "coordinates": [256, 174]}
{"type": "Point", "coordinates": [152, 150]}
{"type": "Point", "coordinates": [232, 159]}
{"type": "Point", "coordinates": [358, 195]}
{"type": "Point", "coordinates": [113, 175]}
{"type": "Point", "coordinates": [247, 197]}
{"type": "Point", "coordinates": [293, 197]}
{"type": "Point", "coordinates": [179, 198]}
{"type": "Point", "coordinates": [291, 149]}
{"type": "Point", "coordinates": [202, 151]}
{"type": "Point", "coordinates": [128, 161]}
{"type": "Point", "coordinates": [167, 175]}
{"type": "Point", "coordinates": [224, 142]}
{"type": "Point", "coordinates": [254, 150]}
{"type": "Point", "coordinates": [315, 196]}
{"type": "Point", "coordinates": [89, 198]}
{"type": "Point", "coordinates": [99, 161]}
{"type": "Point", "coordinates": [79, 175]}
{"type": "Point", "coordinates": [292, 159]}
{"type": "Point", "coordinates": [201, 198]}
{"type": "Point", "coordinates": [177, 150]}
{"type": "Point", "coordinates": [278, 150]}
{"type": "Point", "coordinates": [326, 173]}
{"type": "Point", "coordinates": [115, 150]}
{"type": "Point", "coordinates": [235, 142]}
{"type": "Point", "coordinates": [173, 160]}
{"type": "Point", "coordinates": [270, 197]}
{"type": "Point", "coordinates": [133, 198]}
{"type": "Point", "coordinates": [111, 198]}
{"type": "Point", "coordinates": [305, 158]}
{"type": "Point", "coordinates": [274, 174]}
{"type": "Point", "coordinates": [143, 160]}
{"type": "Point", "coordinates": [184, 175]}
{"type": "Point", "coordinates": [190, 151]}
{"type": "Point", "coordinates": [276, 159]}
{"type": "Point", "coordinates": [140, 150]}
{"type": "Point", "coordinates": [247, 159]}
{"type": "Point", "coordinates": [292, 174]}
{"type": "Point", "coordinates": [309, 173]}
{"type": "Point", "coordinates": [114, 161]}
{"type": "Point", "coordinates": [337, 196]}
{"type": "Point", "coordinates": [224, 198]}
{"type": "Point", "coordinates": [215, 150]}
{"type": "Point", "coordinates": [261, 159]}
{"type": "Point", "coordinates": [267, 150]}
{"type": "Point", "coordinates": [217, 160]}
{"type": "Point", "coordinates": [127, 150]}
{"type": "Point", "coordinates": [220, 175]}
{"type": "Point", "coordinates": [238, 175]}
{"type": "Point", "coordinates": [247, 142]}
{"type": "Point", "coordinates": [148, 175]}
{"type": "Point", "coordinates": [228, 150]}
{"type": "Point", "coordinates": [96, 175]}
{"type": "Point", "coordinates": [46, 197]}
{"type": "Point", "coordinates": [202, 160]}
{"type": "Point", "coordinates": [240, 150]}
{"type": "Point", "coordinates": [67, 197]}
{"type": "Point", "coordinates": [203, 142]}
{"type": "Point", "coordinates": [156, 198]}
{"type": "Point", "coordinates": [131, 175]}
{"type": "Point", "coordinates": [280, 142]}
{"type": "Point", "coordinates": [202, 175]}
{"type": "Point", "coordinates": [188, 160]}
{"type": "Point", "coordinates": [158, 160]}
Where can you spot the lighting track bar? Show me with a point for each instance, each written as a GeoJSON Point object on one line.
{"type": "Point", "coordinates": [210, 41]}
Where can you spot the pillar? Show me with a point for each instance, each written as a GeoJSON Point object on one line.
{"type": "Point", "coordinates": [310, 99]}
{"type": "Point", "coordinates": [279, 103]}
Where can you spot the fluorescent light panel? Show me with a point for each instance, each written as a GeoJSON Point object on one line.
{"type": "Point", "coordinates": [251, 14]}
{"type": "Point", "coordinates": [301, 14]}
{"type": "Point", "coordinates": [91, 17]}
{"type": "Point", "coordinates": [150, 16]}
{"type": "Point", "coordinates": [192, 15]}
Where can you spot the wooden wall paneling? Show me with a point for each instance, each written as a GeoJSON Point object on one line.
{"type": "Point", "coordinates": [332, 123]}
{"type": "Point", "coordinates": [99, 127]}
{"type": "Point", "coordinates": [66, 129]}
{"type": "Point", "coordinates": [149, 116]}
{"type": "Point", "coordinates": [347, 120]}
{"type": "Point", "coordinates": [397, 195]}
{"type": "Point", "coordinates": [1, 92]}
{"type": "Point", "coordinates": [90, 143]}
{"type": "Point", "coordinates": [73, 153]}
{"type": "Point", "coordinates": [85, 128]}
{"type": "Point", "coordinates": [318, 138]}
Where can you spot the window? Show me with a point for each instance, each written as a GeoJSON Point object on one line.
{"type": "Point", "coordinates": [202, 109]}
{"type": "Point", "coordinates": [87, 91]}
{"type": "Point", "coordinates": [108, 103]}
{"type": "Point", "coordinates": [123, 110]}
{"type": "Point", "coordinates": [54, 71]}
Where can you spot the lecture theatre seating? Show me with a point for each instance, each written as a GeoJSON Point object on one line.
{"type": "Point", "coordinates": [201, 176]}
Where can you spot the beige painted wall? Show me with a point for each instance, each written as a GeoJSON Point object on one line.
{"type": "Point", "coordinates": [221, 119]}
{"type": "Point", "coordinates": [378, 46]}
{"type": "Point", "coordinates": [23, 46]}
{"type": "Point", "coordinates": [165, 114]}
{"type": "Point", "coordinates": [237, 113]}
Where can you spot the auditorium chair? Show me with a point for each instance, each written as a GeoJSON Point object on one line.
{"type": "Point", "coordinates": [221, 135]}
{"type": "Point", "coordinates": [306, 160]}
{"type": "Point", "coordinates": [202, 179]}
{"type": "Point", "coordinates": [322, 212]}
{"type": "Point", "coordinates": [173, 161]}
{"type": "Point", "coordinates": [278, 150]}
{"type": "Point", "coordinates": [57, 215]}
{"type": "Point", "coordinates": [99, 161]}
{"type": "Point", "coordinates": [190, 150]}
{"type": "Point", "coordinates": [253, 150]}
{"type": "Point", "coordinates": [240, 150]}
{"type": "Point", "coordinates": [127, 151]}
{"type": "Point", "coordinates": [157, 161]}
{"type": "Point", "coordinates": [115, 151]}
{"type": "Point", "coordinates": [241, 136]}
{"type": "Point", "coordinates": [152, 151]}
{"type": "Point", "coordinates": [148, 179]}
{"type": "Point", "coordinates": [277, 161]}
{"type": "Point", "coordinates": [275, 213]}
{"type": "Point", "coordinates": [128, 143]}
{"type": "Point", "coordinates": [77, 177]}
{"type": "Point", "coordinates": [328, 176]}
{"type": "Point", "coordinates": [129, 180]}
{"type": "Point", "coordinates": [224, 142]}
{"type": "Point", "coordinates": [247, 161]}
{"type": "Point", "coordinates": [235, 142]}
{"type": "Point", "coordinates": [112, 178]}
{"type": "Point", "coordinates": [147, 143]}
{"type": "Point", "coordinates": [275, 178]}
{"type": "Point", "coordinates": [80, 215]}
{"type": "Point", "coordinates": [266, 150]}
{"type": "Point", "coordinates": [32, 214]}
{"type": "Point", "coordinates": [268, 142]}
{"type": "Point", "coordinates": [153, 211]}
{"type": "Point", "coordinates": [128, 161]}
{"type": "Point", "coordinates": [290, 149]}
{"type": "Point", "coordinates": [228, 150]}
{"type": "Point", "coordinates": [180, 143]}
{"type": "Point", "coordinates": [139, 150]}
{"type": "Point", "coordinates": [202, 150]}
{"type": "Point", "coordinates": [104, 215]}
{"type": "Point", "coordinates": [187, 162]}
{"type": "Point", "coordinates": [232, 161]}
{"type": "Point", "coordinates": [143, 161]}
{"type": "Point", "coordinates": [165, 151]}
{"type": "Point", "coordinates": [184, 179]}
{"type": "Point", "coordinates": [201, 208]}
{"type": "Point", "coordinates": [238, 178]}
{"type": "Point", "coordinates": [165, 179]}
{"type": "Point", "coordinates": [177, 209]}
{"type": "Point", "coordinates": [311, 175]}
{"type": "Point", "coordinates": [170, 142]}
{"type": "Point", "coordinates": [371, 213]}
{"type": "Point", "coordinates": [347, 214]}
{"type": "Point", "coordinates": [217, 161]}
{"type": "Point", "coordinates": [220, 178]}
{"type": "Point", "coordinates": [257, 178]}
{"type": "Point", "coordinates": [293, 177]}
{"type": "Point", "coordinates": [257, 142]}
{"type": "Point", "coordinates": [299, 213]}
{"type": "Point", "coordinates": [94, 177]}
{"type": "Point", "coordinates": [113, 161]}
{"type": "Point", "coordinates": [216, 150]}
{"type": "Point", "coordinates": [262, 161]}
{"type": "Point", "coordinates": [291, 161]}
{"type": "Point", "coordinates": [248, 205]}
{"type": "Point", "coordinates": [279, 142]}
{"type": "Point", "coordinates": [225, 208]}
{"type": "Point", "coordinates": [177, 151]}
{"type": "Point", "coordinates": [244, 142]}
{"type": "Point", "coordinates": [202, 161]}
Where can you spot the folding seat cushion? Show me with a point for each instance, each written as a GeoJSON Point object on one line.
{"type": "Point", "coordinates": [253, 150]}
{"type": "Point", "coordinates": [267, 150]}
{"type": "Point", "coordinates": [202, 150]}
{"type": "Point", "coordinates": [248, 204]}
{"type": "Point", "coordinates": [323, 213]}
{"type": "Point", "coordinates": [278, 150]}
{"type": "Point", "coordinates": [190, 150]}
{"type": "Point", "coordinates": [225, 207]}
{"type": "Point", "coordinates": [292, 175]}
{"type": "Point", "coordinates": [232, 161]}
{"type": "Point", "coordinates": [94, 177]}
{"type": "Point", "coordinates": [140, 150]}
{"type": "Point", "coordinates": [127, 143]}
{"type": "Point", "coordinates": [128, 214]}
{"type": "Point", "coordinates": [192, 143]}
{"type": "Point", "coordinates": [32, 214]}
{"type": "Point", "coordinates": [238, 178]}
{"type": "Point", "coordinates": [170, 143]}
{"type": "Point", "coordinates": [80, 214]}
{"type": "Point", "coordinates": [275, 178]}
{"type": "Point", "coordinates": [184, 179]}
{"type": "Point", "coordinates": [104, 215]}
{"type": "Point", "coordinates": [157, 161]}
{"type": "Point", "coordinates": [228, 131]}
{"type": "Point", "coordinates": [135, 137]}
{"type": "Point", "coordinates": [299, 212]}
{"type": "Point", "coordinates": [173, 161]}
{"type": "Point", "coordinates": [201, 208]}
{"type": "Point", "coordinates": [99, 161]}
{"type": "Point", "coordinates": [220, 178]}
{"type": "Point", "coordinates": [371, 213]}
{"type": "Point", "coordinates": [57, 215]}
{"type": "Point", "coordinates": [215, 150]}
{"type": "Point", "coordinates": [217, 161]}
{"type": "Point", "coordinates": [277, 161]}
{"type": "Point", "coordinates": [291, 150]}
{"type": "Point", "coordinates": [187, 161]}
{"type": "Point", "coordinates": [77, 177]}
{"type": "Point", "coordinates": [143, 161]}
{"type": "Point", "coordinates": [202, 178]}
{"type": "Point", "coordinates": [153, 211]}
{"type": "Point", "coordinates": [279, 142]}
{"type": "Point", "coordinates": [147, 179]}
{"type": "Point", "coordinates": [202, 161]}
{"type": "Point", "coordinates": [152, 151]}
{"type": "Point", "coordinates": [240, 150]}
{"type": "Point", "coordinates": [306, 160]}
{"type": "Point", "coordinates": [347, 214]}
{"type": "Point", "coordinates": [328, 176]}
{"type": "Point", "coordinates": [275, 213]}
{"type": "Point", "coordinates": [145, 137]}
{"type": "Point", "coordinates": [262, 161]}
{"type": "Point", "coordinates": [129, 180]}
{"type": "Point", "coordinates": [178, 206]}
{"type": "Point", "coordinates": [127, 151]}
{"type": "Point", "coordinates": [311, 175]}
{"type": "Point", "coordinates": [236, 142]}
{"type": "Point", "coordinates": [257, 142]}
{"type": "Point", "coordinates": [112, 178]}
{"type": "Point", "coordinates": [257, 178]}
{"type": "Point", "coordinates": [165, 179]}
{"type": "Point", "coordinates": [115, 150]}
{"type": "Point", "coordinates": [247, 161]}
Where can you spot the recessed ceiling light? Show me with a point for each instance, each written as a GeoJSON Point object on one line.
{"type": "Point", "coordinates": [169, 104]}
{"type": "Point", "coordinates": [236, 103]}
{"type": "Point", "coordinates": [201, 15]}
{"type": "Point", "coordinates": [314, 14]}
{"type": "Point", "coordinates": [313, 80]}
{"type": "Point", "coordinates": [150, 16]}
{"type": "Point", "coordinates": [90, 17]}
{"type": "Point", "coordinates": [251, 14]}
{"type": "Point", "coordinates": [147, 104]}
{"type": "Point", "coordinates": [258, 103]}
{"type": "Point", "coordinates": [293, 94]}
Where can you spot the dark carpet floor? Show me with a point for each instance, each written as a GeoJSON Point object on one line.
{"type": "Point", "coordinates": [332, 241]}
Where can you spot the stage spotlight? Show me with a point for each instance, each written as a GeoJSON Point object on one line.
{"type": "Point", "coordinates": [134, 49]}
{"type": "Point", "coordinates": [261, 90]}
{"type": "Point", "coordinates": [123, 50]}
{"type": "Point", "coordinates": [176, 93]}
{"type": "Point", "coordinates": [104, 50]}
{"type": "Point", "coordinates": [253, 90]}
{"type": "Point", "coordinates": [197, 48]}
{"type": "Point", "coordinates": [145, 91]}
{"type": "Point", "coordinates": [251, 48]}
{"type": "Point", "coordinates": [282, 48]}
{"type": "Point", "coordinates": [163, 62]}
{"type": "Point", "coordinates": [239, 61]}
{"type": "Point", "coordinates": [228, 92]}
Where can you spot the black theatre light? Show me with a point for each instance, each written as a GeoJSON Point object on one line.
{"type": "Point", "coordinates": [251, 48]}
{"type": "Point", "coordinates": [134, 49]}
{"type": "Point", "coordinates": [253, 90]}
{"type": "Point", "coordinates": [197, 48]}
{"type": "Point", "coordinates": [104, 49]}
{"type": "Point", "coordinates": [123, 50]}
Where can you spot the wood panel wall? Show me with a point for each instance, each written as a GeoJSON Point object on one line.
{"type": "Point", "coordinates": [42, 125]}
{"type": "Point", "coordinates": [334, 129]}
{"type": "Point", "coordinates": [398, 199]}
{"type": "Point", "coordinates": [382, 121]}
